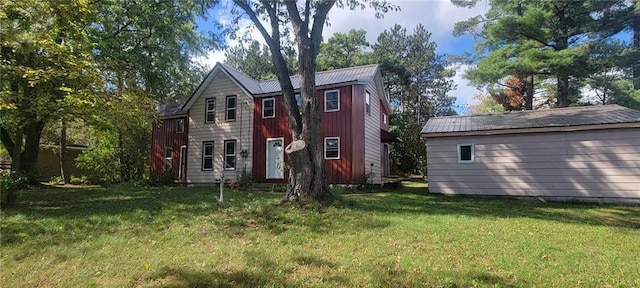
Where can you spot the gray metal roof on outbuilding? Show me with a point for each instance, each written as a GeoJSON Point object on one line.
{"type": "Point", "coordinates": [544, 118]}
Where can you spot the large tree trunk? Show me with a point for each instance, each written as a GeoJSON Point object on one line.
{"type": "Point", "coordinates": [29, 158]}
{"type": "Point", "coordinates": [529, 88]}
{"type": "Point", "coordinates": [562, 43]}
{"type": "Point", "coordinates": [63, 149]}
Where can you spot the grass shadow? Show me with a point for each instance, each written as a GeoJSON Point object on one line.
{"type": "Point", "coordinates": [419, 201]}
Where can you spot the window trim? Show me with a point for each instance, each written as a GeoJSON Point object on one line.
{"type": "Point", "coordinates": [234, 155]}
{"type": "Point", "coordinates": [325, 100]}
{"type": "Point", "coordinates": [169, 158]}
{"type": "Point", "coordinates": [204, 144]}
{"type": "Point", "coordinates": [180, 126]}
{"type": "Point", "coordinates": [207, 111]}
{"type": "Point", "coordinates": [367, 102]}
{"type": "Point", "coordinates": [325, 148]}
{"type": "Point", "coordinates": [274, 108]}
{"type": "Point", "coordinates": [227, 109]}
{"type": "Point", "coordinates": [473, 158]}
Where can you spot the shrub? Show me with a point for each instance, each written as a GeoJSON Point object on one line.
{"type": "Point", "coordinates": [56, 180]}
{"type": "Point", "coordinates": [78, 180]}
{"type": "Point", "coordinates": [10, 183]}
{"type": "Point", "coordinates": [246, 179]}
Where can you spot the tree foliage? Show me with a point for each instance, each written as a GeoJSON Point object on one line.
{"type": "Point", "coordinates": [550, 39]}
{"type": "Point", "coordinates": [104, 63]}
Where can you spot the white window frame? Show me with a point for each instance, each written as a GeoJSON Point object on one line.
{"type": "Point", "coordinates": [180, 126]}
{"type": "Point", "coordinates": [325, 100]}
{"type": "Point", "coordinates": [227, 109]}
{"type": "Point", "coordinates": [367, 102]}
{"type": "Point", "coordinates": [325, 147]}
{"type": "Point", "coordinates": [207, 110]}
{"type": "Point", "coordinates": [168, 161]}
{"type": "Point", "coordinates": [204, 156]}
{"type": "Point", "coordinates": [235, 148]}
{"type": "Point", "coordinates": [274, 108]}
{"type": "Point", "coordinates": [473, 158]}
{"type": "Point", "coordinates": [384, 118]}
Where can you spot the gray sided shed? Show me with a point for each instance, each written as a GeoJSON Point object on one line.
{"type": "Point", "coordinates": [590, 152]}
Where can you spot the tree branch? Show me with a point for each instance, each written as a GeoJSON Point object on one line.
{"type": "Point", "coordinates": [254, 18]}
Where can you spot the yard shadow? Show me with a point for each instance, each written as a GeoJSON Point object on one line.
{"type": "Point", "coordinates": [263, 273]}
{"type": "Point", "coordinates": [417, 200]}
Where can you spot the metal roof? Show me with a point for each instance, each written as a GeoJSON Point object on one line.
{"type": "Point", "coordinates": [169, 109]}
{"type": "Point", "coordinates": [352, 74]}
{"type": "Point", "coordinates": [544, 118]}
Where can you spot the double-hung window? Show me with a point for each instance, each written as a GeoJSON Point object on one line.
{"type": "Point", "coordinates": [332, 148]}
{"type": "Point", "coordinates": [332, 101]}
{"type": "Point", "coordinates": [269, 108]}
{"type": "Point", "coordinates": [466, 153]}
{"type": "Point", "coordinates": [207, 155]}
{"type": "Point", "coordinates": [367, 100]}
{"type": "Point", "coordinates": [210, 111]}
{"type": "Point", "coordinates": [230, 112]}
{"type": "Point", "coordinates": [180, 126]}
{"type": "Point", "coordinates": [230, 155]}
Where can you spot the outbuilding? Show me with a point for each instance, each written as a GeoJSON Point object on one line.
{"type": "Point", "coordinates": [588, 153]}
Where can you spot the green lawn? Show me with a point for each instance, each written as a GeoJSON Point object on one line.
{"type": "Point", "coordinates": [174, 237]}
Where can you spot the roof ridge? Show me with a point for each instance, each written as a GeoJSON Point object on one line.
{"type": "Point", "coordinates": [323, 72]}
{"type": "Point", "coordinates": [535, 111]}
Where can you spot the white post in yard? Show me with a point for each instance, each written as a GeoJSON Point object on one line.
{"type": "Point", "coordinates": [221, 200]}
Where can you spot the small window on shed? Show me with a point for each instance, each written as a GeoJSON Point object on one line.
{"type": "Point", "coordinates": [465, 153]}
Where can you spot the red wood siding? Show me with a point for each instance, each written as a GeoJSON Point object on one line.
{"type": "Point", "coordinates": [334, 124]}
{"type": "Point", "coordinates": [164, 135]}
{"type": "Point", "coordinates": [358, 111]}
{"type": "Point", "coordinates": [268, 128]}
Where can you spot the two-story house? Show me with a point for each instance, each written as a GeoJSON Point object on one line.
{"type": "Point", "coordinates": [233, 122]}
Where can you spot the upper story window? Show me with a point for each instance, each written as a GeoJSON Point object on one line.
{"type": "Point", "coordinates": [384, 118]}
{"type": "Point", "coordinates": [466, 153]}
{"type": "Point", "coordinates": [207, 155]}
{"type": "Point", "coordinates": [367, 101]}
{"type": "Point", "coordinates": [230, 155]}
{"type": "Point", "coordinates": [180, 126]}
{"type": "Point", "coordinates": [210, 111]}
{"type": "Point", "coordinates": [332, 148]}
{"type": "Point", "coordinates": [332, 101]}
{"type": "Point", "coordinates": [299, 101]}
{"type": "Point", "coordinates": [230, 104]}
{"type": "Point", "coordinates": [269, 108]}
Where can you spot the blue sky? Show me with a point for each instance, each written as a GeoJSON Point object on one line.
{"type": "Point", "coordinates": [438, 16]}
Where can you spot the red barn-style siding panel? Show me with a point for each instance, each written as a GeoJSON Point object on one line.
{"type": "Point", "coordinates": [265, 128]}
{"type": "Point", "coordinates": [338, 124]}
{"type": "Point", "coordinates": [333, 124]}
{"type": "Point", "coordinates": [164, 134]}
{"type": "Point", "coordinates": [358, 111]}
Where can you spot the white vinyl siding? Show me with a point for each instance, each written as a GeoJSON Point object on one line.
{"type": "Point", "coordinates": [373, 146]}
{"type": "Point", "coordinates": [596, 163]}
{"type": "Point", "coordinates": [240, 130]}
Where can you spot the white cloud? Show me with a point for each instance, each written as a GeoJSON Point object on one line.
{"type": "Point", "coordinates": [464, 92]}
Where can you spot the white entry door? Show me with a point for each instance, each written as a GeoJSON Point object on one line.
{"type": "Point", "coordinates": [275, 158]}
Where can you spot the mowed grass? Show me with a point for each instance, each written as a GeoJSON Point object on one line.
{"type": "Point", "coordinates": [178, 237]}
